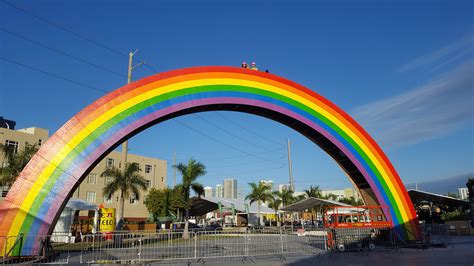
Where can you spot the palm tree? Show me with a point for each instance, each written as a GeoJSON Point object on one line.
{"type": "Point", "coordinates": [286, 197]}
{"type": "Point", "coordinates": [15, 162]}
{"type": "Point", "coordinates": [128, 182]}
{"type": "Point", "coordinates": [275, 205]}
{"type": "Point", "coordinates": [313, 191]}
{"type": "Point", "coordinates": [190, 172]}
{"type": "Point", "coordinates": [260, 193]}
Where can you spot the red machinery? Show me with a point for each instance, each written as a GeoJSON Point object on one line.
{"type": "Point", "coordinates": [357, 217]}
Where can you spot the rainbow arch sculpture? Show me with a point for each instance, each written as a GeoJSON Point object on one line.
{"type": "Point", "coordinates": [36, 199]}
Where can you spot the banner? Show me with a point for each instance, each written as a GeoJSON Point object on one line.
{"type": "Point", "coordinates": [107, 220]}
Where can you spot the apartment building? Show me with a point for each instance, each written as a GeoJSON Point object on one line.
{"type": "Point", "coordinates": [152, 169]}
{"type": "Point", "coordinates": [230, 188]}
{"type": "Point", "coordinates": [209, 192]}
{"type": "Point", "coordinates": [343, 193]}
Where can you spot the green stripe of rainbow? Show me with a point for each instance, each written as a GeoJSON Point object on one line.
{"type": "Point", "coordinates": [42, 188]}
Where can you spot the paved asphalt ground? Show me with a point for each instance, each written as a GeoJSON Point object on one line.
{"type": "Point", "coordinates": [461, 252]}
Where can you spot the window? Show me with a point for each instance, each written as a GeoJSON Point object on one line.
{"type": "Point", "coordinates": [110, 163]}
{"type": "Point", "coordinates": [162, 179]}
{"type": "Point", "coordinates": [90, 197]}
{"type": "Point", "coordinates": [108, 180]}
{"type": "Point", "coordinates": [133, 199]}
{"type": "Point", "coordinates": [40, 141]}
{"type": "Point", "coordinates": [148, 183]}
{"type": "Point", "coordinates": [12, 145]}
{"type": "Point", "coordinates": [148, 168]}
{"type": "Point", "coordinates": [92, 179]}
{"type": "Point", "coordinates": [108, 200]}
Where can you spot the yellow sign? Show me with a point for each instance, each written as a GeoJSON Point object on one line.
{"type": "Point", "coordinates": [107, 219]}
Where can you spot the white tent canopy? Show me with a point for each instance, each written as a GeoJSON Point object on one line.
{"type": "Point", "coordinates": [61, 232]}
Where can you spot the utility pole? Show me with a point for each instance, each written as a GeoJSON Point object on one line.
{"type": "Point", "coordinates": [292, 182]}
{"type": "Point", "coordinates": [129, 80]}
{"type": "Point", "coordinates": [174, 170]}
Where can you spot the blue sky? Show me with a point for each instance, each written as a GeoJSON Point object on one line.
{"type": "Point", "coordinates": [403, 69]}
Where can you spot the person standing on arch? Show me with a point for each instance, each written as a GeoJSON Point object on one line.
{"type": "Point", "coordinates": [253, 66]}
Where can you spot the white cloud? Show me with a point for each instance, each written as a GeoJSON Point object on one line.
{"type": "Point", "coordinates": [436, 109]}
{"type": "Point", "coordinates": [444, 56]}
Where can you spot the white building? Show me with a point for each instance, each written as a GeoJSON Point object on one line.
{"type": "Point", "coordinates": [219, 191]}
{"type": "Point", "coordinates": [230, 188]}
{"type": "Point", "coordinates": [463, 193]}
{"type": "Point", "coordinates": [342, 193]}
{"type": "Point", "coordinates": [209, 192]}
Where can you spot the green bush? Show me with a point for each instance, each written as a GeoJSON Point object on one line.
{"type": "Point", "coordinates": [454, 215]}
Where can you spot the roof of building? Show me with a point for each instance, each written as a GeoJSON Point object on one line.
{"type": "Point", "coordinates": [418, 196]}
{"type": "Point", "coordinates": [203, 205]}
{"type": "Point", "coordinates": [310, 203]}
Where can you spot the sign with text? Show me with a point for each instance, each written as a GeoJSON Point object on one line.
{"type": "Point", "coordinates": [107, 219]}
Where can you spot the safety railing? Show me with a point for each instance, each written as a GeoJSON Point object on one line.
{"type": "Point", "coordinates": [202, 245]}
{"type": "Point", "coordinates": [171, 245]}
{"type": "Point", "coordinates": [360, 239]}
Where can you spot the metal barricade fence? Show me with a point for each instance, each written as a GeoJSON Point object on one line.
{"type": "Point", "coordinates": [47, 250]}
{"type": "Point", "coordinates": [437, 234]}
{"type": "Point", "coordinates": [167, 245]}
{"type": "Point", "coordinates": [360, 239]}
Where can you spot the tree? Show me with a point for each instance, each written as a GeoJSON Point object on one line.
{"type": "Point", "coordinates": [190, 173]}
{"type": "Point", "coordinates": [470, 189]}
{"type": "Point", "coordinates": [352, 201]}
{"type": "Point", "coordinates": [330, 196]}
{"type": "Point", "coordinates": [128, 182]}
{"type": "Point", "coordinates": [259, 193]}
{"type": "Point", "coordinates": [452, 195]}
{"type": "Point", "coordinates": [286, 197]}
{"type": "Point", "coordinates": [274, 204]}
{"type": "Point", "coordinates": [313, 191]}
{"type": "Point", "coordinates": [15, 162]}
{"type": "Point", "coordinates": [165, 202]}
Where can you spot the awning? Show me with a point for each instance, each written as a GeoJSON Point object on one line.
{"type": "Point", "coordinates": [203, 205]}
{"type": "Point", "coordinates": [417, 196]}
{"type": "Point", "coordinates": [310, 203]}
{"type": "Point", "coordinates": [81, 205]}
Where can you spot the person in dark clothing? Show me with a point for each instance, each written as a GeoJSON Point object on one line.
{"type": "Point", "coordinates": [158, 225]}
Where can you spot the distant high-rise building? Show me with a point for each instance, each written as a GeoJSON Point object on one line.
{"type": "Point", "coordinates": [230, 188]}
{"type": "Point", "coordinates": [268, 183]}
{"type": "Point", "coordinates": [219, 191]}
{"type": "Point", "coordinates": [463, 193]}
{"type": "Point", "coordinates": [282, 187]}
{"type": "Point", "coordinates": [209, 192]}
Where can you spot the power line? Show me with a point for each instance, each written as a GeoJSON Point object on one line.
{"type": "Point", "coordinates": [233, 135]}
{"type": "Point", "coordinates": [52, 74]}
{"type": "Point", "coordinates": [237, 164]}
{"type": "Point", "coordinates": [225, 144]}
{"type": "Point", "coordinates": [149, 66]}
{"type": "Point", "coordinates": [64, 28]}
{"type": "Point", "coordinates": [252, 170]}
{"type": "Point", "coordinates": [249, 131]}
{"type": "Point", "coordinates": [61, 52]}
